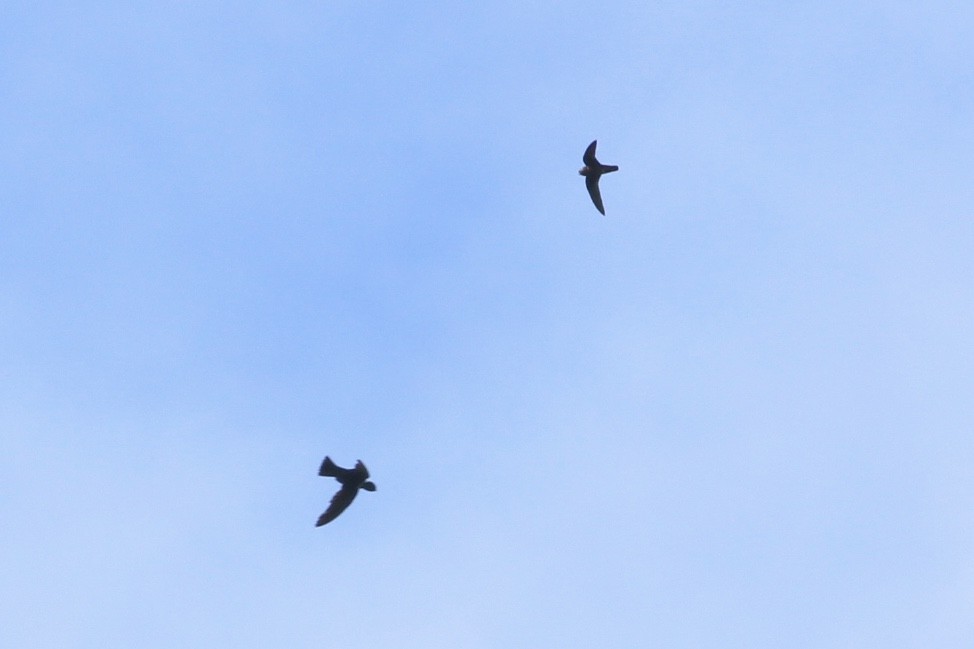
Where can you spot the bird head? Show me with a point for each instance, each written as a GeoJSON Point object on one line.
{"type": "Point", "coordinates": [368, 485]}
{"type": "Point", "coordinates": [583, 171]}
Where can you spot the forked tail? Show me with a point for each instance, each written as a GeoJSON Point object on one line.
{"type": "Point", "coordinates": [328, 468]}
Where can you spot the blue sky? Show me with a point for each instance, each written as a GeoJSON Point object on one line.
{"type": "Point", "coordinates": [734, 412]}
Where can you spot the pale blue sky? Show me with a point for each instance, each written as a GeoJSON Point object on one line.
{"type": "Point", "coordinates": [734, 412]}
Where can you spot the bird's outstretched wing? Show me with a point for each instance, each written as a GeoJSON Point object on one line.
{"type": "Point", "coordinates": [589, 156]}
{"type": "Point", "coordinates": [592, 185]}
{"type": "Point", "coordinates": [339, 503]}
{"type": "Point", "coordinates": [361, 470]}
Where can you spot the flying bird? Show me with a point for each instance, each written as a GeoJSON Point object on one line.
{"type": "Point", "coordinates": [351, 480]}
{"type": "Point", "coordinates": [592, 171]}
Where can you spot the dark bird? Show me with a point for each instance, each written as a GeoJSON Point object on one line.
{"type": "Point", "coordinates": [592, 171]}
{"type": "Point", "coordinates": [351, 480]}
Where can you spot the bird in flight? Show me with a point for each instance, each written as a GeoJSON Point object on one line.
{"type": "Point", "coordinates": [592, 171]}
{"type": "Point", "coordinates": [351, 480]}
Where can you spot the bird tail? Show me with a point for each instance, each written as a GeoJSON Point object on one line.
{"type": "Point", "coordinates": [609, 168]}
{"type": "Point", "coordinates": [328, 468]}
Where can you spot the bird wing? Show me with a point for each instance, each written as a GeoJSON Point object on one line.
{"type": "Point", "coordinates": [592, 185]}
{"type": "Point", "coordinates": [339, 503]}
{"type": "Point", "coordinates": [361, 470]}
{"type": "Point", "coordinates": [589, 156]}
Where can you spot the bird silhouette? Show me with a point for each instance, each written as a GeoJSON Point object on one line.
{"type": "Point", "coordinates": [351, 480]}
{"type": "Point", "coordinates": [592, 171]}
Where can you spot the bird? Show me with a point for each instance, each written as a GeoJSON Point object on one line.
{"type": "Point", "coordinates": [351, 480]}
{"type": "Point", "coordinates": [592, 171]}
